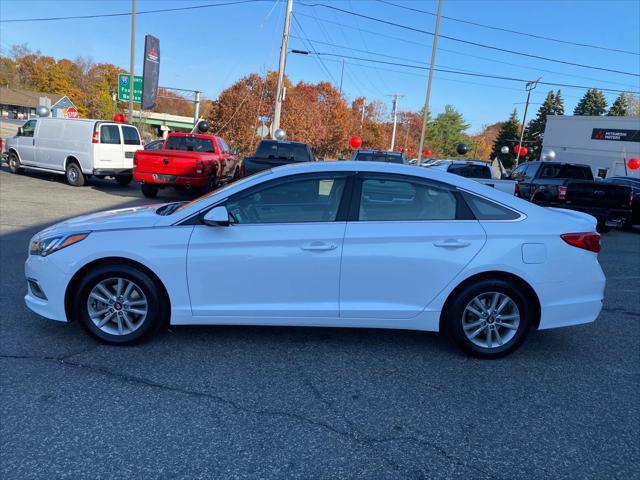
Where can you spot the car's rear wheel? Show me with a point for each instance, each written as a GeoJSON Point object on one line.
{"type": "Point", "coordinates": [149, 190]}
{"type": "Point", "coordinates": [14, 163]}
{"type": "Point", "coordinates": [124, 180]}
{"type": "Point", "coordinates": [120, 304]}
{"type": "Point", "coordinates": [74, 174]}
{"type": "Point", "coordinates": [489, 318]}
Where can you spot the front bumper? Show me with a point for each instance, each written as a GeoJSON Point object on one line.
{"type": "Point", "coordinates": [52, 281]}
{"type": "Point", "coordinates": [112, 172]}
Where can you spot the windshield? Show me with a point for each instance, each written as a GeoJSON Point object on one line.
{"type": "Point", "coordinates": [190, 144]}
{"type": "Point", "coordinates": [296, 151]}
{"type": "Point", "coordinates": [181, 206]}
{"type": "Point", "coordinates": [470, 171]}
{"type": "Point", "coordinates": [379, 157]}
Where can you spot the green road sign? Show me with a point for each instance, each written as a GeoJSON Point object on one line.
{"type": "Point", "coordinates": [123, 88]}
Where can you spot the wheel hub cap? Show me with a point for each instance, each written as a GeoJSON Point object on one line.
{"type": "Point", "coordinates": [117, 306]}
{"type": "Point", "coordinates": [491, 320]}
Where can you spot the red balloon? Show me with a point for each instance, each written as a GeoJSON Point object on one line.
{"type": "Point", "coordinates": [634, 163]}
{"type": "Point", "coordinates": [355, 141]}
{"type": "Point", "coordinates": [523, 151]}
{"type": "Point", "coordinates": [516, 148]}
{"type": "Point", "coordinates": [119, 118]}
{"type": "Point", "coordinates": [427, 152]}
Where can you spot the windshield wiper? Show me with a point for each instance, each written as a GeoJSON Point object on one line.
{"type": "Point", "coordinates": [169, 208]}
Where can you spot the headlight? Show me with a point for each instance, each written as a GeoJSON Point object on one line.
{"type": "Point", "coordinates": [48, 245]}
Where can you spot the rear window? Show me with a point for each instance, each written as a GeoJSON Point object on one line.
{"type": "Point", "coordinates": [470, 171]}
{"type": "Point", "coordinates": [379, 157]}
{"type": "Point", "coordinates": [130, 135]}
{"type": "Point", "coordinates": [485, 209]}
{"type": "Point", "coordinates": [576, 172]}
{"type": "Point", "coordinates": [110, 134]}
{"type": "Point", "coordinates": [298, 152]}
{"type": "Point", "coordinates": [190, 144]}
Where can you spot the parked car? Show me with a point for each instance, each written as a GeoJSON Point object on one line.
{"type": "Point", "coordinates": [154, 145]}
{"type": "Point", "coordinates": [476, 170]}
{"type": "Point", "coordinates": [570, 185]}
{"type": "Point", "coordinates": [273, 153]}
{"type": "Point", "coordinates": [377, 156]}
{"type": "Point", "coordinates": [186, 160]}
{"type": "Point", "coordinates": [77, 148]}
{"type": "Point", "coordinates": [634, 183]}
{"type": "Point", "coordinates": [334, 244]}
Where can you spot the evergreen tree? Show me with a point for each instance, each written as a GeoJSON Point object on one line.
{"type": "Point", "coordinates": [620, 108]}
{"type": "Point", "coordinates": [558, 104]}
{"type": "Point", "coordinates": [446, 132]}
{"type": "Point", "coordinates": [593, 103]}
{"type": "Point", "coordinates": [509, 135]}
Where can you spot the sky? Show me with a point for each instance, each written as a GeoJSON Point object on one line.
{"type": "Point", "coordinates": [208, 49]}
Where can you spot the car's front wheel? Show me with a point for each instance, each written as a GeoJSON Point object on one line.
{"type": "Point", "coordinates": [120, 304]}
{"type": "Point", "coordinates": [489, 318]}
{"type": "Point", "coordinates": [14, 163]}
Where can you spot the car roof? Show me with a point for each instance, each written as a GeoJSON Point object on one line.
{"type": "Point", "coordinates": [459, 162]}
{"type": "Point", "coordinates": [269, 140]}
{"type": "Point", "coordinates": [379, 151]}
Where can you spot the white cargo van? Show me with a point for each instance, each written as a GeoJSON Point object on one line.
{"type": "Point", "coordinates": [77, 148]}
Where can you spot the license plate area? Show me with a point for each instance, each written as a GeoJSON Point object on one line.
{"type": "Point", "coordinates": [128, 154]}
{"type": "Point", "coordinates": [164, 178]}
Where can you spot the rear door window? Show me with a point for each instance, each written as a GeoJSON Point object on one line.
{"type": "Point", "coordinates": [190, 144]}
{"type": "Point", "coordinates": [484, 209]}
{"type": "Point", "coordinates": [130, 135]}
{"type": "Point", "coordinates": [110, 134]}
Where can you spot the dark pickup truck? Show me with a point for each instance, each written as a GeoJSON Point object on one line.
{"type": "Point", "coordinates": [273, 153]}
{"type": "Point", "coordinates": [569, 185]}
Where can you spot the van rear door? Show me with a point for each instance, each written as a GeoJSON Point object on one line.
{"type": "Point", "coordinates": [108, 154]}
{"type": "Point", "coordinates": [130, 143]}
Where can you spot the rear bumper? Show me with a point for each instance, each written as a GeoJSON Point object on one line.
{"type": "Point", "coordinates": [178, 180]}
{"type": "Point", "coordinates": [110, 172]}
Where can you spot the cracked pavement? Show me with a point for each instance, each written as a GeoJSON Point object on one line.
{"type": "Point", "coordinates": [262, 402]}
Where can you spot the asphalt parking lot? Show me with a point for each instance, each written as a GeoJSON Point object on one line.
{"type": "Point", "coordinates": [249, 402]}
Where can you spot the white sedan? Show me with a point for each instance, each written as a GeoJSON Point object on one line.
{"type": "Point", "coordinates": [340, 244]}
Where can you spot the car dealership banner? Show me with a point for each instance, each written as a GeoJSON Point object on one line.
{"type": "Point", "coordinates": [615, 135]}
{"type": "Point", "coordinates": [150, 71]}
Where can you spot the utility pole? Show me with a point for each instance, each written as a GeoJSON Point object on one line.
{"type": "Point", "coordinates": [529, 87]}
{"type": "Point", "coordinates": [426, 103]}
{"type": "Point", "coordinates": [196, 109]}
{"type": "Point", "coordinates": [277, 110]}
{"type": "Point", "coordinates": [133, 52]}
{"type": "Point", "coordinates": [395, 118]}
{"type": "Point", "coordinates": [341, 76]}
{"type": "Point", "coordinates": [364, 106]}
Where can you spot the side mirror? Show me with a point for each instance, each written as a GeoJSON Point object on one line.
{"type": "Point", "coordinates": [217, 217]}
{"type": "Point", "coordinates": [20, 133]}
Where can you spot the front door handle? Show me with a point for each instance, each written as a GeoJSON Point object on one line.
{"type": "Point", "coordinates": [319, 246]}
{"type": "Point", "coordinates": [452, 243]}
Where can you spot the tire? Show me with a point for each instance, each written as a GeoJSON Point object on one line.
{"type": "Point", "coordinates": [149, 190]}
{"type": "Point", "coordinates": [212, 183]}
{"type": "Point", "coordinates": [74, 174]}
{"type": "Point", "coordinates": [125, 324]}
{"type": "Point", "coordinates": [461, 323]}
{"type": "Point", "coordinates": [14, 163]}
{"type": "Point", "coordinates": [627, 226]}
{"type": "Point", "coordinates": [124, 180]}
{"type": "Point", "coordinates": [540, 201]}
{"type": "Point", "coordinates": [236, 174]}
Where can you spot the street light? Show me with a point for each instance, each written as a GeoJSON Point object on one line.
{"type": "Point", "coordinates": [528, 87]}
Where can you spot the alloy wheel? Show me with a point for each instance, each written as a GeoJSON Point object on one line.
{"type": "Point", "coordinates": [117, 306]}
{"type": "Point", "coordinates": [491, 320]}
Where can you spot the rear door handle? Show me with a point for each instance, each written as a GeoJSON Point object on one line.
{"type": "Point", "coordinates": [319, 246]}
{"type": "Point", "coordinates": [452, 243]}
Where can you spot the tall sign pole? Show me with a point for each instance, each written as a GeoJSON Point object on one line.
{"type": "Point", "coordinates": [529, 87]}
{"type": "Point", "coordinates": [395, 118]}
{"type": "Point", "coordinates": [277, 110]}
{"type": "Point", "coordinates": [426, 103]}
{"type": "Point", "coordinates": [133, 49]}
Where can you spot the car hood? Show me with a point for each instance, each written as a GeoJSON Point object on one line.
{"type": "Point", "coordinates": [125, 218]}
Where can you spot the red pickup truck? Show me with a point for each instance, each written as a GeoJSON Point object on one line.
{"type": "Point", "coordinates": [186, 160]}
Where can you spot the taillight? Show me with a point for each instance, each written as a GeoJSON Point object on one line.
{"type": "Point", "coordinates": [588, 241]}
{"type": "Point", "coordinates": [199, 166]}
{"type": "Point", "coordinates": [95, 138]}
{"type": "Point", "coordinates": [517, 190]}
{"type": "Point", "coordinates": [562, 192]}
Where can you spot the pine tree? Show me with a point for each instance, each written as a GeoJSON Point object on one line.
{"type": "Point", "coordinates": [509, 136]}
{"type": "Point", "coordinates": [593, 103]}
{"type": "Point", "coordinates": [558, 104]}
{"type": "Point", "coordinates": [620, 108]}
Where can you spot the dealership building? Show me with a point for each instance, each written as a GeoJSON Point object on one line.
{"type": "Point", "coordinates": [21, 104]}
{"type": "Point", "coordinates": [604, 143]}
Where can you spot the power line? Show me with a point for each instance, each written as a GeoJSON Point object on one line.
{"type": "Point", "coordinates": [314, 49]}
{"type": "Point", "coordinates": [456, 52]}
{"type": "Point", "coordinates": [460, 72]}
{"type": "Point", "coordinates": [526, 34]}
{"type": "Point", "coordinates": [123, 14]}
{"type": "Point", "coordinates": [469, 42]}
